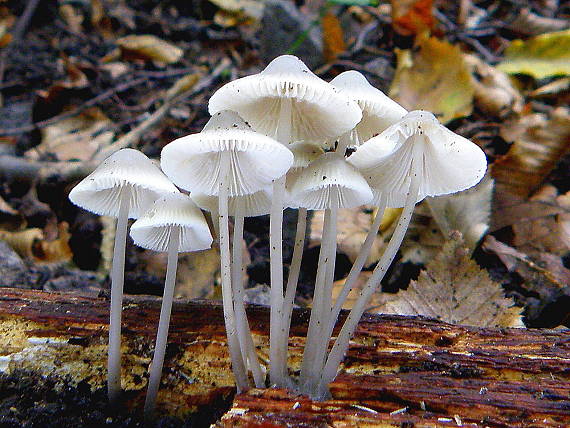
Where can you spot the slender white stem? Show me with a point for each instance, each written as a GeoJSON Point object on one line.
{"type": "Point", "coordinates": [164, 322]}
{"type": "Point", "coordinates": [227, 295]}
{"type": "Point", "coordinates": [244, 333]}
{"type": "Point", "coordinates": [341, 344]}
{"type": "Point", "coordinates": [326, 305]}
{"type": "Point", "coordinates": [315, 321]}
{"type": "Point", "coordinates": [117, 281]}
{"type": "Point", "coordinates": [344, 142]}
{"type": "Point", "coordinates": [277, 361]}
{"type": "Point", "coordinates": [293, 278]}
{"type": "Point", "coordinates": [215, 213]}
{"type": "Point", "coordinates": [358, 263]}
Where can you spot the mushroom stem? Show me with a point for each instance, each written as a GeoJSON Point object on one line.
{"type": "Point", "coordinates": [244, 333]}
{"type": "Point", "coordinates": [345, 141]}
{"type": "Point", "coordinates": [227, 295]}
{"type": "Point", "coordinates": [293, 278]}
{"type": "Point", "coordinates": [341, 344]}
{"type": "Point", "coordinates": [117, 281]}
{"type": "Point", "coordinates": [358, 263]}
{"type": "Point", "coordinates": [164, 322]}
{"type": "Point", "coordinates": [326, 304]}
{"type": "Point", "coordinates": [315, 321]}
{"type": "Point", "coordinates": [278, 361]}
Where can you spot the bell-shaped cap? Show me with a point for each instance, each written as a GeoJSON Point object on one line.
{"type": "Point", "coordinates": [319, 111]}
{"type": "Point", "coordinates": [126, 170]}
{"type": "Point", "coordinates": [155, 227]}
{"type": "Point", "coordinates": [194, 162]}
{"type": "Point", "coordinates": [450, 162]}
{"type": "Point", "coordinates": [312, 187]}
{"type": "Point", "coordinates": [253, 205]}
{"type": "Point", "coordinates": [378, 110]}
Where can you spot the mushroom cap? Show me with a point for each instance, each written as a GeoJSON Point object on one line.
{"type": "Point", "coordinates": [378, 110]}
{"type": "Point", "coordinates": [451, 163]}
{"type": "Point", "coordinates": [154, 228]}
{"type": "Point", "coordinates": [254, 204]}
{"type": "Point", "coordinates": [312, 187]}
{"type": "Point", "coordinates": [99, 192]}
{"type": "Point", "coordinates": [193, 162]}
{"type": "Point", "coordinates": [319, 110]}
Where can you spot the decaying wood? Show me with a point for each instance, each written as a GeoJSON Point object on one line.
{"type": "Point", "coordinates": [400, 371]}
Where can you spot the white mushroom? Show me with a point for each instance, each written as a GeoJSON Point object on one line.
{"type": "Point", "coordinates": [123, 186]}
{"type": "Point", "coordinates": [423, 159]}
{"type": "Point", "coordinates": [378, 110]}
{"type": "Point", "coordinates": [226, 159]}
{"type": "Point", "coordinates": [328, 183]}
{"type": "Point", "coordinates": [174, 224]}
{"type": "Point", "coordinates": [287, 101]}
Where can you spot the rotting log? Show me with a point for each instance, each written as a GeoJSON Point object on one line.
{"type": "Point", "coordinates": [400, 371]}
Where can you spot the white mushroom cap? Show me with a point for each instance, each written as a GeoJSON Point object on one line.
{"type": "Point", "coordinates": [312, 187]}
{"type": "Point", "coordinates": [125, 169]}
{"type": "Point", "coordinates": [254, 204]}
{"type": "Point", "coordinates": [319, 111]}
{"type": "Point", "coordinates": [378, 110]}
{"type": "Point", "coordinates": [153, 229]}
{"type": "Point", "coordinates": [451, 163]}
{"type": "Point", "coordinates": [193, 162]}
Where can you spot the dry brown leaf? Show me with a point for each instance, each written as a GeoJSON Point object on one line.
{"type": "Point", "coordinates": [250, 8]}
{"type": "Point", "coordinates": [539, 142]}
{"type": "Point", "coordinates": [333, 37]}
{"type": "Point", "coordinates": [424, 239]}
{"type": "Point", "coordinates": [543, 223]}
{"type": "Point", "coordinates": [196, 274]}
{"type": "Point", "coordinates": [353, 295]}
{"type": "Point", "coordinates": [454, 289]}
{"type": "Point", "coordinates": [149, 47]}
{"type": "Point", "coordinates": [54, 251]}
{"type": "Point", "coordinates": [23, 241]}
{"type": "Point", "coordinates": [494, 92]}
{"type": "Point", "coordinates": [72, 17]}
{"type": "Point", "coordinates": [352, 227]}
{"type": "Point", "coordinates": [434, 77]}
{"type": "Point", "coordinates": [411, 17]}
{"type": "Point", "coordinates": [5, 208]}
{"type": "Point", "coordinates": [78, 137]}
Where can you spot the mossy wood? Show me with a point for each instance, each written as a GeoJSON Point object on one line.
{"type": "Point", "coordinates": [400, 371]}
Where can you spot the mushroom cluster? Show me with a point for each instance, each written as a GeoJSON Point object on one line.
{"type": "Point", "coordinates": [279, 139]}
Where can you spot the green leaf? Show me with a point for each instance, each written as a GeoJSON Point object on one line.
{"type": "Point", "coordinates": [541, 56]}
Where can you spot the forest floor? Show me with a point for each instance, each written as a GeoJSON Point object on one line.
{"type": "Point", "coordinates": [81, 79]}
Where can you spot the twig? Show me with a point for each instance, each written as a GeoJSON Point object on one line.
{"type": "Point", "coordinates": [14, 167]}
{"type": "Point", "coordinates": [87, 104]}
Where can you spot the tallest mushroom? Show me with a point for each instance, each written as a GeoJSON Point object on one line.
{"type": "Point", "coordinates": [288, 102]}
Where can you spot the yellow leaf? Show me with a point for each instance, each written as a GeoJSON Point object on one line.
{"type": "Point", "coordinates": [435, 78]}
{"type": "Point", "coordinates": [150, 48]}
{"type": "Point", "coordinates": [333, 37]}
{"type": "Point", "coordinates": [251, 8]}
{"type": "Point", "coordinates": [541, 56]}
{"type": "Point", "coordinates": [454, 289]}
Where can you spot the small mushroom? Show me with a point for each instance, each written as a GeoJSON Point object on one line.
{"type": "Point", "coordinates": [328, 183]}
{"type": "Point", "coordinates": [173, 224]}
{"type": "Point", "coordinates": [123, 186]}
{"type": "Point", "coordinates": [415, 158]}
{"type": "Point", "coordinates": [226, 159]}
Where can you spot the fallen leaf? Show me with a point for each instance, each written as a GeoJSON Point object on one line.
{"type": "Point", "coordinates": [22, 241]}
{"type": "Point", "coordinates": [56, 250]}
{"type": "Point", "coordinates": [433, 77]}
{"type": "Point", "coordinates": [352, 228]}
{"type": "Point", "coordinates": [72, 17]}
{"type": "Point", "coordinates": [539, 142]}
{"type": "Point", "coordinates": [5, 208]}
{"type": "Point", "coordinates": [468, 212]}
{"type": "Point", "coordinates": [250, 8]}
{"type": "Point", "coordinates": [333, 37]}
{"type": "Point", "coordinates": [149, 47]}
{"type": "Point", "coordinates": [75, 138]}
{"type": "Point", "coordinates": [354, 293]}
{"type": "Point", "coordinates": [454, 289]}
{"type": "Point", "coordinates": [494, 92]}
{"type": "Point", "coordinates": [411, 17]}
{"type": "Point", "coordinates": [541, 56]}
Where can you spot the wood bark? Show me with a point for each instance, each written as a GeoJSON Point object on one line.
{"type": "Point", "coordinates": [399, 371]}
